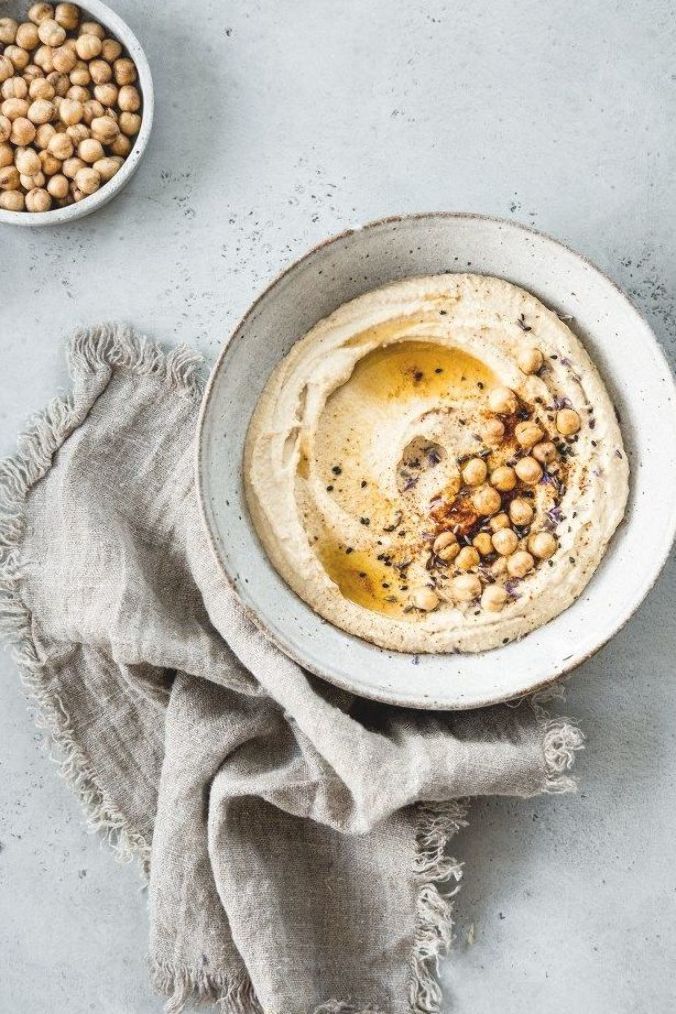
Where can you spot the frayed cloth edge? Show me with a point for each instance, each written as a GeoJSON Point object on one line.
{"type": "Point", "coordinates": [183, 986]}
{"type": "Point", "coordinates": [438, 878]}
{"type": "Point", "coordinates": [100, 349]}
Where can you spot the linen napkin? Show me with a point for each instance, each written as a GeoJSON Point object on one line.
{"type": "Point", "coordinates": [294, 836]}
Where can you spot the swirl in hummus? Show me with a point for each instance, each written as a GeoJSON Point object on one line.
{"type": "Point", "coordinates": [437, 466]}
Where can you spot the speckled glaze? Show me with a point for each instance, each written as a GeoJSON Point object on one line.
{"type": "Point", "coordinates": [634, 370]}
{"type": "Point", "coordinates": [97, 11]}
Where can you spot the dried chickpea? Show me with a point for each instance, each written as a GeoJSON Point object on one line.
{"type": "Point", "coordinates": [38, 200]}
{"type": "Point", "coordinates": [78, 94]}
{"type": "Point", "coordinates": [519, 564]}
{"type": "Point", "coordinates": [64, 59]}
{"type": "Point", "coordinates": [27, 161]}
{"type": "Point", "coordinates": [528, 434]}
{"type": "Point", "coordinates": [474, 472]}
{"type": "Point", "coordinates": [503, 478]}
{"type": "Point", "coordinates": [121, 146]}
{"type": "Point", "coordinates": [544, 452]}
{"type": "Point", "coordinates": [111, 50]}
{"type": "Point", "coordinates": [19, 57]}
{"type": "Point", "coordinates": [40, 88]}
{"type": "Point", "coordinates": [486, 501]}
{"type": "Point", "coordinates": [493, 598]}
{"type": "Point", "coordinates": [30, 182]}
{"type": "Point", "coordinates": [92, 109]}
{"type": "Point", "coordinates": [27, 36]}
{"type": "Point", "coordinates": [67, 15]}
{"type": "Point", "coordinates": [76, 194]}
{"type": "Point", "coordinates": [124, 71]}
{"type": "Point", "coordinates": [529, 360]}
{"type": "Point", "coordinates": [106, 94]}
{"type": "Point", "coordinates": [130, 123]}
{"type": "Point", "coordinates": [50, 163]}
{"type": "Point", "coordinates": [41, 111]}
{"type": "Point", "coordinates": [520, 512]}
{"type": "Point", "coordinates": [23, 131]}
{"type": "Point", "coordinates": [71, 167]}
{"type": "Point", "coordinates": [90, 151]}
{"type": "Point", "coordinates": [60, 146]}
{"type": "Point", "coordinates": [492, 431]}
{"type": "Point", "coordinates": [101, 72]}
{"type": "Point", "coordinates": [567, 421]}
{"type": "Point", "coordinates": [467, 558]}
{"type": "Point", "coordinates": [543, 545]}
{"type": "Point", "coordinates": [12, 200]}
{"type": "Point", "coordinates": [8, 29]}
{"type": "Point", "coordinates": [498, 522]}
{"type": "Point", "coordinates": [502, 401]}
{"type": "Point", "coordinates": [5, 128]}
{"type": "Point", "coordinates": [13, 108]}
{"type": "Point", "coordinates": [78, 132]}
{"type": "Point", "coordinates": [93, 28]}
{"type": "Point", "coordinates": [482, 543]}
{"type": "Point", "coordinates": [40, 12]}
{"type": "Point", "coordinates": [31, 72]}
{"type": "Point", "coordinates": [104, 129]}
{"type": "Point", "coordinates": [58, 187]}
{"type": "Point", "coordinates": [80, 75]}
{"type": "Point", "coordinates": [71, 111]}
{"type": "Point", "coordinates": [425, 599]}
{"type": "Point", "coordinates": [88, 47]}
{"type": "Point", "coordinates": [9, 178]}
{"type": "Point", "coordinates": [465, 587]}
{"type": "Point", "coordinates": [14, 88]}
{"type": "Point", "coordinates": [44, 58]}
{"type": "Point", "coordinates": [43, 135]}
{"type": "Point", "coordinates": [6, 154]}
{"type": "Point", "coordinates": [505, 541]}
{"type": "Point", "coordinates": [51, 33]}
{"type": "Point", "coordinates": [87, 180]}
{"type": "Point", "coordinates": [59, 82]}
{"type": "Point", "coordinates": [446, 546]}
{"type": "Point", "coordinates": [107, 167]}
{"type": "Point", "coordinates": [529, 470]}
{"type": "Point", "coordinates": [129, 99]}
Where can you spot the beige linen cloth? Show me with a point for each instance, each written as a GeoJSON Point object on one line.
{"type": "Point", "coordinates": [294, 836]}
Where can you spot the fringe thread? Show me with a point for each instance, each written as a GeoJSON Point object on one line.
{"type": "Point", "coordinates": [433, 869]}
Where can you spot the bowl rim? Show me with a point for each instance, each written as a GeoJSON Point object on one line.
{"type": "Point", "coordinates": [375, 693]}
{"type": "Point", "coordinates": [72, 212]}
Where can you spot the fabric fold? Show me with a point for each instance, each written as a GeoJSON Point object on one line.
{"type": "Point", "coordinates": [295, 838]}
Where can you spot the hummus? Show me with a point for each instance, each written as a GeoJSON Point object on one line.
{"type": "Point", "coordinates": [437, 466]}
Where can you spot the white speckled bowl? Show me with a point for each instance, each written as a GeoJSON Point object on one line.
{"type": "Point", "coordinates": [633, 367]}
{"type": "Point", "coordinates": [96, 11]}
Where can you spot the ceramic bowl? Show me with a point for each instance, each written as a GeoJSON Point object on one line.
{"type": "Point", "coordinates": [634, 369]}
{"type": "Point", "coordinates": [95, 11]}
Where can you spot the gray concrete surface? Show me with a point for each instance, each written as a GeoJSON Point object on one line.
{"type": "Point", "coordinates": [279, 123]}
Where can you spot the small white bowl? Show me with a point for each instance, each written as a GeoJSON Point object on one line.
{"type": "Point", "coordinates": [630, 360]}
{"type": "Point", "coordinates": [95, 11]}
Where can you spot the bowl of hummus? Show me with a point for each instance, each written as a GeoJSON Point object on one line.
{"type": "Point", "coordinates": [427, 463]}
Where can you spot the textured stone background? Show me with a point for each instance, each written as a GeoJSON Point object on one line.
{"type": "Point", "coordinates": [279, 123]}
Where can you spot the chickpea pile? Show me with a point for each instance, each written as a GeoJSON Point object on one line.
{"type": "Point", "coordinates": [505, 546]}
{"type": "Point", "coordinates": [69, 108]}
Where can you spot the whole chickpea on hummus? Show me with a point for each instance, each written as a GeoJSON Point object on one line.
{"type": "Point", "coordinates": [437, 466]}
